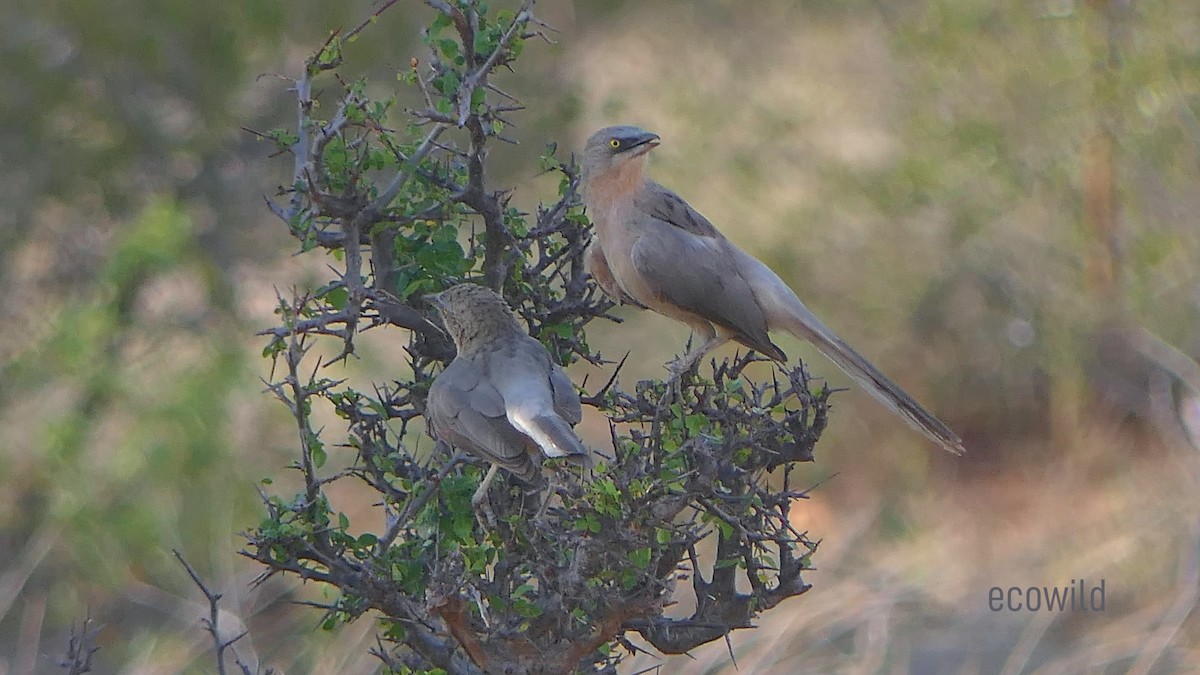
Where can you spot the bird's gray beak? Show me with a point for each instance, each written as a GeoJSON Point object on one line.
{"type": "Point", "coordinates": [644, 143]}
{"type": "Point", "coordinates": [435, 299]}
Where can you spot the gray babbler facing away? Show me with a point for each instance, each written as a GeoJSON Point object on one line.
{"type": "Point", "coordinates": [501, 398]}
{"type": "Point", "coordinates": [653, 250]}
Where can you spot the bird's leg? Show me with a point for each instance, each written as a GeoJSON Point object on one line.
{"type": "Point", "coordinates": [679, 365]}
{"type": "Point", "coordinates": [555, 483]}
{"type": "Point", "coordinates": [480, 501]}
{"type": "Point", "coordinates": [677, 368]}
{"type": "Point", "coordinates": [481, 492]}
{"type": "Point", "coordinates": [551, 490]}
{"type": "Point", "coordinates": [682, 364]}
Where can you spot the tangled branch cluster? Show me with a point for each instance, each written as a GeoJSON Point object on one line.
{"type": "Point", "coordinates": [688, 494]}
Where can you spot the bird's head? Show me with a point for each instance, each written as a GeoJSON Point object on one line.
{"type": "Point", "coordinates": [613, 148]}
{"type": "Point", "coordinates": [473, 313]}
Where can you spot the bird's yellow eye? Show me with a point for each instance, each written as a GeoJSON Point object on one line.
{"type": "Point", "coordinates": [615, 143]}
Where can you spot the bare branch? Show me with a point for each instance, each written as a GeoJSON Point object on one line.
{"type": "Point", "coordinates": [211, 624]}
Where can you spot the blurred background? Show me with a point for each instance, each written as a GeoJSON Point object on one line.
{"type": "Point", "coordinates": [999, 203]}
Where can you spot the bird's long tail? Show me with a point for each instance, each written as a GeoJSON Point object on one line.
{"type": "Point", "coordinates": [802, 323]}
{"type": "Point", "coordinates": [554, 436]}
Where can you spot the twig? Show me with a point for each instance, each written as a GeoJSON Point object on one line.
{"type": "Point", "coordinates": [211, 623]}
{"type": "Point", "coordinates": [80, 648]}
{"type": "Point", "coordinates": [370, 19]}
{"type": "Point", "coordinates": [404, 518]}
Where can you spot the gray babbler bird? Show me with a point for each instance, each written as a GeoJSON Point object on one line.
{"type": "Point", "coordinates": [501, 398]}
{"type": "Point", "coordinates": [653, 250]}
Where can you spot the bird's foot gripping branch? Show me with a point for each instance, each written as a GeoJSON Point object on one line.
{"type": "Point", "coordinates": [691, 500]}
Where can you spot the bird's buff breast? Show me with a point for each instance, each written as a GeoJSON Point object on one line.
{"type": "Point", "coordinates": [617, 238]}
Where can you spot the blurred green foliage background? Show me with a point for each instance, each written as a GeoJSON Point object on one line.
{"type": "Point", "coordinates": [1000, 204]}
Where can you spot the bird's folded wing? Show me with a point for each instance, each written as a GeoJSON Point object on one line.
{"type": "Point", "coordinates": [566, 398]}
{"type": "Point", "coordinates": [669, 207]}
{"type": "Point", "coordinates": [538, 397]}
{"type": "Point", "coordinates": [700, 274]}
{"type": "Point", "coordinates": [467, 412]}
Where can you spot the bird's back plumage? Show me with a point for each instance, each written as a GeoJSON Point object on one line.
{"type": "Point", "coordinates": [503, 398]}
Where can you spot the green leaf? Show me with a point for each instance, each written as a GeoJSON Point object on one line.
{"type": "Point", "coordinates": [629, 579]}
{"type": "Point", "coordinates": [527, 609]}
{"type": "Point", "coordinates": [464, 527]}
{"type": "Point", "coordinates": [275, 347]}
{"type": "Point", "coordinates": [448, 83]}
{"type": "Point", "coordinates": [640, 557]}
{"type": "Point", "coordinates": [418, 286]}
{"type": "Point", "coordinates": [726, 528]}
{"type": "Point", "coordinates": [337, 297]}
{"type": "Point", "coordinates": [440, 22]}
{"type": "Point", "coordinates": [283, 138]}
{"type": "Point", "coordinates": [319, 456]}
{"type": "Point", "coordinates": [487, 41]}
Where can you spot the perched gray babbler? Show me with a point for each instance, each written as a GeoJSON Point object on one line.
{"type": "Point", "coordinates": [653, 250]}
{"type": "Point", "coordinates": [501, 398]}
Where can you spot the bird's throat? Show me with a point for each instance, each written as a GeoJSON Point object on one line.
{"type": "Point", "coordinates": [615, 185]}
